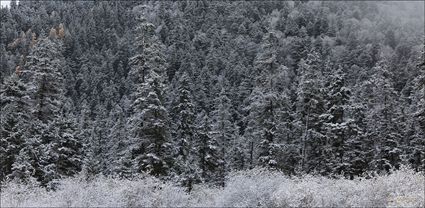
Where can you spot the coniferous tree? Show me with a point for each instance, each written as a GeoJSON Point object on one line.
{"type": "Point", "coordinates": [119, 154]}
{"type": "Point", "coordinates": [223, 130]}
{"type": "Point", "coordinates": [381, 120]}
{"type": "Point", "coordinates": [184, 121]}
{"type": "Point", "coordinates": [268, 132]}
{"type": "Point", "coordinates": [251, 133]}
{"type": "Point", "coordinates": [210, 158]}
{"type": "Point", "coordinates": [70, 155]}
{"type": "Point", "coordinates": [335, 121]}
{"type": "Point", "coordinates": [152, 133]}
{"type": "Point", "coordinates": [416, 143]}
{"type": "Point", "coordinates": [184, 133]}
{"type": "Point", "coordinates": [357, 146]}
{"type": "Point", "coordinates": [309, 106]}
{"type": "Point", "coordinates": [150, 140]}
{"type": "Point", "coordinates": [15, 118]}
{"type": "Point", "coordinates": [263, 118]}
{"type": "Point", "coordinates": [43, 75]}
{"type": "Point", "coordinates": [26, 168]}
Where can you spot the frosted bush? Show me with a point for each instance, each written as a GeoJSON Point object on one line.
{"type": "Point", "coordinates": [204, 196]}
{"type": "Point", "coordinates": [100, 192]}
{"type": "Point", "coordinates": [257, 187]}
{"type": "Point", "coordinates": [403, 188]}
{"type": "Point", "coordinates": [250, 188]}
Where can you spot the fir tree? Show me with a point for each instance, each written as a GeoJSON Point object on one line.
{"type": "Point", "coordinates": [417, 142]}
{"type": "Point", "coordinates": [149, 121]}
{"type": "Point", "coordinates": [117, 137]}
{"type": "Point", "coordinates": [152, 133]}
{"type": "Point", "coordinates": [149, 52]}
{"type": "Point", "coordinates": [184, 133]}
{"type": "Point", "coordinates": [70, 155]}
{"type": "Point", "coordinates": [381, 120]}
{"type": "Point", "coordinates": [44, 78]}
{"type": "Point", "coordinates": [335, 121]}
{"type": "Point", "coordinates": [43, 75]}
{"type": "Point", "coordinates": [210, 158]}
{"type": "Point", "coordinates": [15, 118]}
{"type": "Point", "coordinates": [309, 106]}
{"type": "Point", "coordinates": [358, 148]}
{"type": "Point", "coordinates": [223, 129]}
{"type": "Point", "coordinates": [185, 118]}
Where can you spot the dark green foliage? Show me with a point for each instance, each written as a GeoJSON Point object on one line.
{"type": "Point", "coordinates": [192, 90]}
{"type": "Point", "coordinates": [15, 121]}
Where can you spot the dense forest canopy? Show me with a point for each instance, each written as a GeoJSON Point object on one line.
{"type": "Point", "coordinates": [190, 90]}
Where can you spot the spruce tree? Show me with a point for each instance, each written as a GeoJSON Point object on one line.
{"type": "Point", "coordinates": [149, 122]}
{"type": "Point", "coordinates": [335, 121]}
{"type": "Point", "coordinates": [223, 130]}
{"type": "Point", "coordinates": [416, 143]}
{"type": "Point", "coordinates": [309, 106]}
{"type": "Point", "coordinates": [152, 153]}
{"type": "Point", "coordinates": [210, 157]}
{"type": "Point", "coordinates": [357, 146]}
{"type": "Point", "coordinates": [70, 155]}
{"type": "Point", "coordinates": [15, 121]}
{"type": "Point", "coordinates": [382, 120]}
{"type": "Point", "coordinates": [25, 167]}
{"type": "Point", "coordinates": [185, 118]}
{"type": "Point", "coordinates": [43, 75]}
{"type": "Point", "coordinates": [268, 132]}
{"type": "Point", "coordinates": [265, 107]}
{"type": "Point", "coordinates": [184, 133]}
{"type": "Point", "coordinates": [118, 143]}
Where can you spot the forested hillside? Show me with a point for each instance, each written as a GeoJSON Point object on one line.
{"type": "Point", "coordinates": [189, 91]}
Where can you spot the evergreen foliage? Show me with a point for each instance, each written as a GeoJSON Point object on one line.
{"type": "Point", "coordinates": [190, 91]}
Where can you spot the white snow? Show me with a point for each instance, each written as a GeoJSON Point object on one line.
{"type": "Point", "coordinates": [257, 187]}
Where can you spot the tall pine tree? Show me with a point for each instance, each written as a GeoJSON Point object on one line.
{"type": "Point", "coordinates": [149, 122]}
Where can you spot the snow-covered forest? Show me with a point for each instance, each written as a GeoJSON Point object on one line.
{"type": "Point", "coordinates": [212, 103]}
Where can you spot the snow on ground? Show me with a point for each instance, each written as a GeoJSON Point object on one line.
{"type": "Point", "coordinates": [403, 188]}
